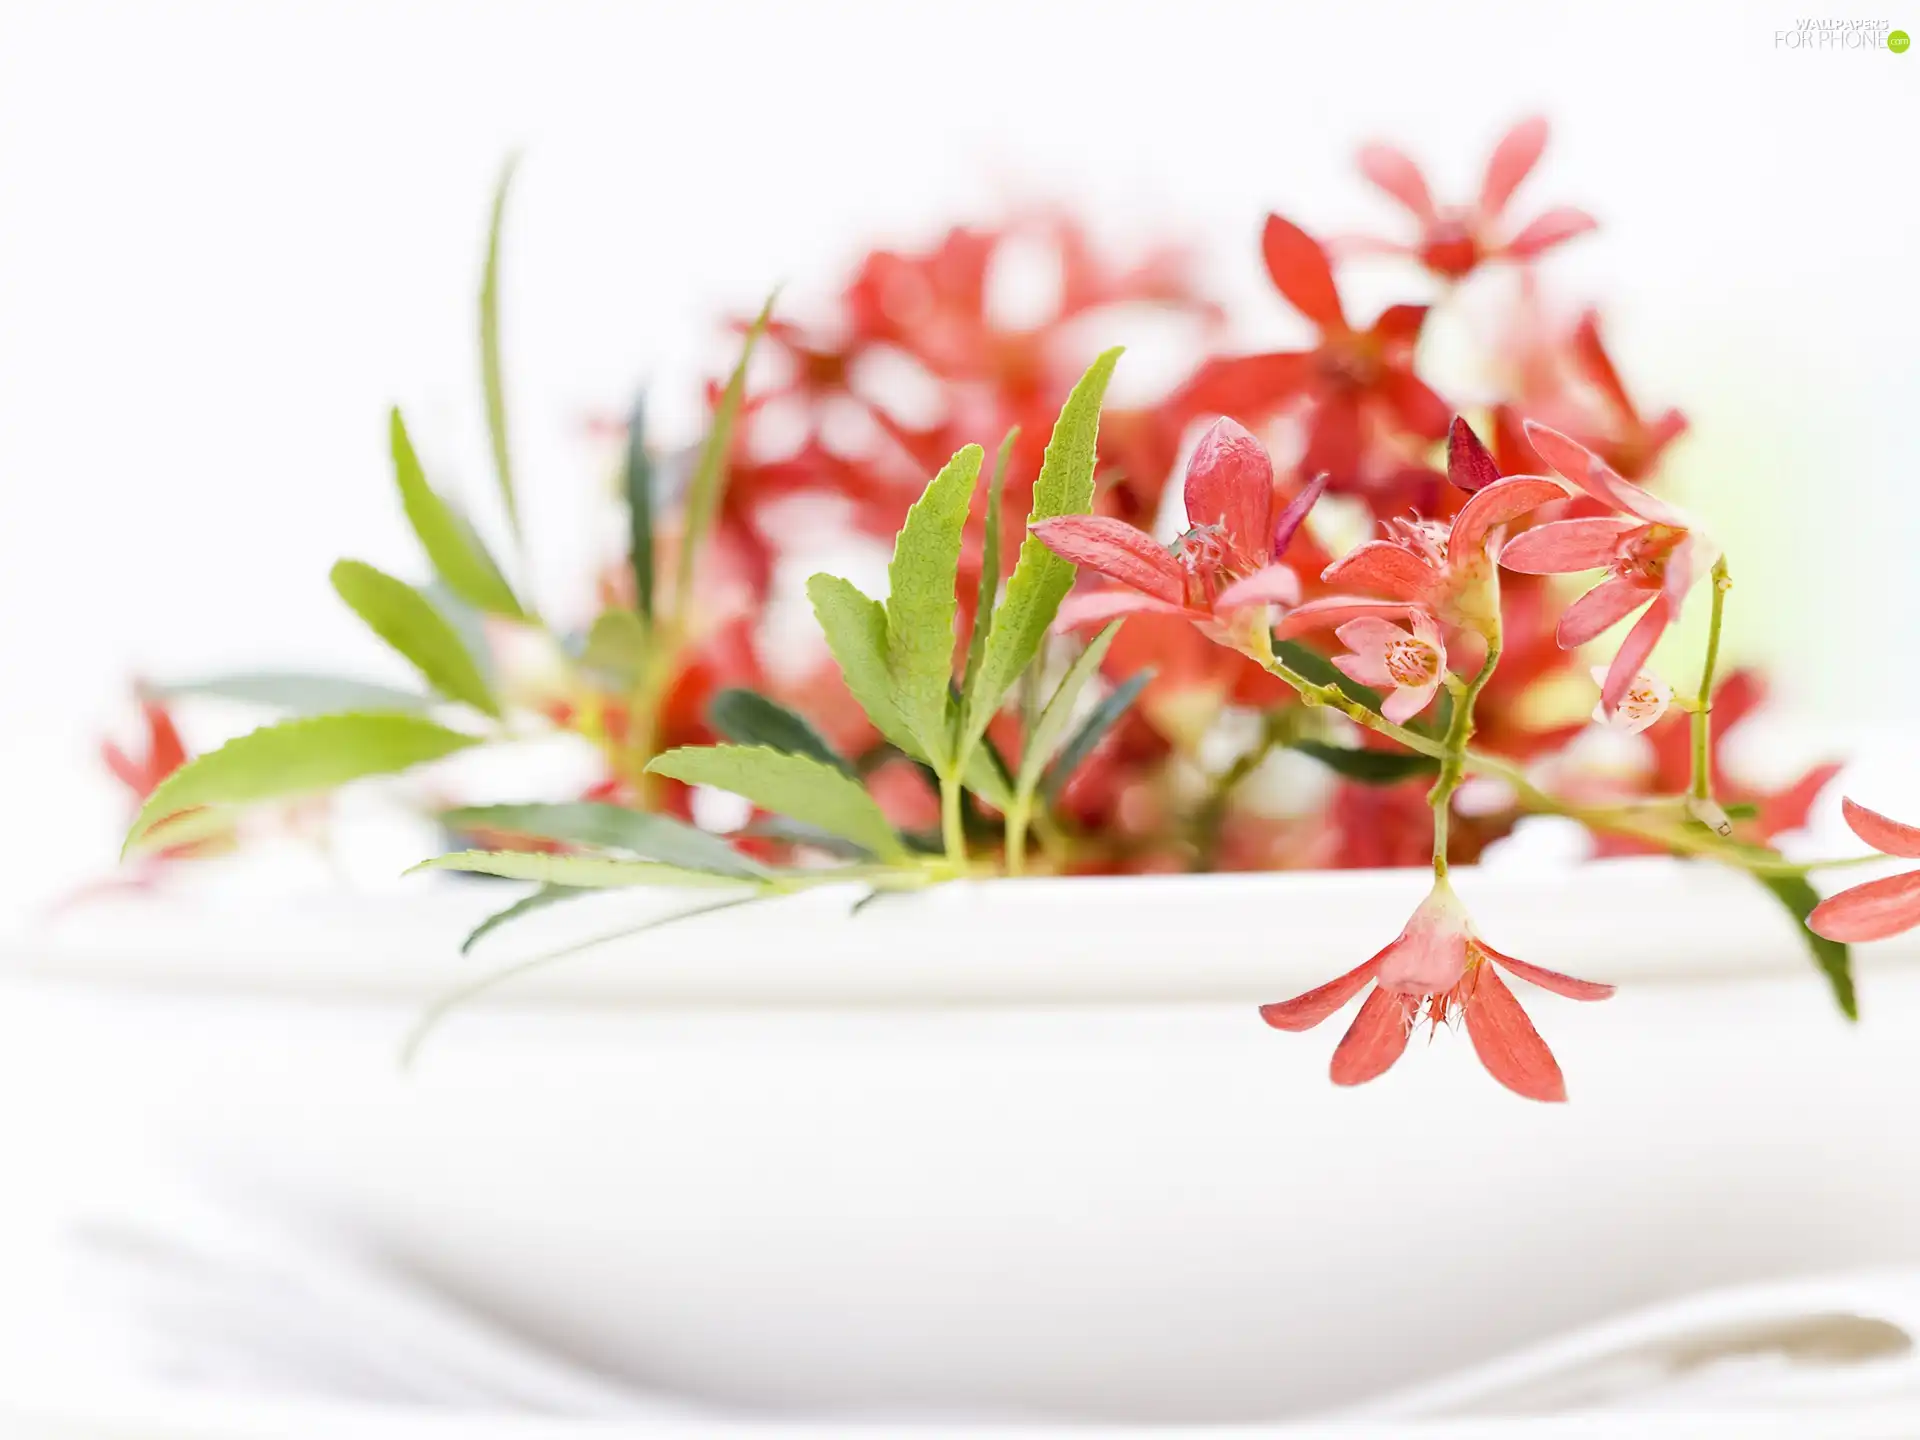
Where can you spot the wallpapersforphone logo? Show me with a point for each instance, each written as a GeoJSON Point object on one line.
{"type": "Point", "coordinates": [1836, 35]}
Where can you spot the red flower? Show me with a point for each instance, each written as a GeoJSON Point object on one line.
{"type": "Point", "coordinates": [1879, 908]}
{"type": "Point", "coordinates": [165, 752]}
{"type": "Point", "coordinates": [1359, 384]}
{"type": "Point", "coordinates": [1434, 969]}
{"type": "Point", "coordinates": [1456, 240]}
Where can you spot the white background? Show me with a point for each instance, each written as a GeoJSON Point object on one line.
{"type": "Point", "coordinates": [232, 234]}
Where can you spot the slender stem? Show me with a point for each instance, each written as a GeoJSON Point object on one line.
{"type": "Point", "coordinates": [1702, 786]}
{"type": "Point", "coordinates": [1453, 764]}
{"type": "Point", "coordinates": [1019, 816]}
{"type": "Point", "coordinates": [952, 831]}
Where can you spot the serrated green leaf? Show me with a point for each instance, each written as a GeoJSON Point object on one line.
{"type": "Point", "coordinates": [300, 693]}
{"type": "Point", "coordinates": [459, 556]}
{"type": "Point", "coordinates": [610, 827]}
{"type": "Point", "coordinates": [1369, 767]}
{"type": "Point", "coordinates": [747, 717]}
{"type": "Point", "coordinates": [1051, 727]}
{"type": "Point", "coordinates": [1041, 579]}
{"type": "Point", "coordinates": [1835, 960]}
{"type": "Point", "coordinates": [921, 604]}
{"type": "Point", "coordinates": [989, 590]}
{"type": "Point", "coordinates": [298, 757]}
{"type": "Point", "coordinates": [406, 620]}
{"type": "Point", "coordinates": [856, 629]}
{"type": "Point", "coordinates": [1093, 729]}
{"type": "Point", "coordinates": [637, 479]}
{"type": "Point", "coordinates": [708, 485]}
{"type": "Point", "coordinates": [540, 899]}
{"type": "Point", "coordinates": [578, 872]}
{"type": "Point", "coordinates": [790, 785]}
{"type": "Point", "coordinates": [617, 646]}
{"type": "Point", "coordinates": [492, 380]}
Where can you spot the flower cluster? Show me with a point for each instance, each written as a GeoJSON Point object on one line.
{"type": "Point", "coordinates": [1214, 624]}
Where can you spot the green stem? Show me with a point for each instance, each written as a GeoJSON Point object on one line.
{"type": "Point", "coordinates": [952, 831]}
{"type": "Point", "coordinates": [1019, 817]}
{"type": "Point", "coordinates": [1702, 785]}
{"type": "Point", "coordinates": [1453, 763]}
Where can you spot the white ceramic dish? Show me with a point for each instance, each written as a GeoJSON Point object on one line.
{"type": "Point", "coordinates": [1019, 1148]}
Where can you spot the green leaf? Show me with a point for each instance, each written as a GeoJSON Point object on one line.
{"type": "Point", "coordinates": [406, 620]}
{"type": "Point", "coordinates": [617, 646]}
{"type": "Point", "coordinates": [459, 556]}
{"type": "Point", "coordinates": [1835, 960]}
{"type": "Point", "coordinates": [921, 604]}
{"type": "Point", "coordinates": [1051, 727]}
{"type": "Point", "coordinates": [490, 373]}
{"type": "Point", "coordinates": [638, 480]}
{"type": "Point", "coordinates": [610, 827]}
{"type": "Point", "coordinates": [1369, 767]}
{"type": "Point", "coordinates": [579, 872]}
{"type": "Point", "coordinates": [791, 785]}
{"type": "Point", "coordinates": [856, 629]}
{"type": "Point", "coordinates": [747, 717]}
{"type": "Point", "coordinates": [526, 905]}
{"type": "Point", "coordinates": [1311, 665]}
{"type": "Point", "coordinates": [708, 487]}
{"type": "Point", "coordinates": [1092, 730]}
{"type": "Point", "coordinates": [792, 832]}
{"type": "Point", "coordinates": [298, 757]}
{"type": "Point", "coordinates": [301, 693]}
{"type": "Point", "coordinates": [1041, 579]}
{"type": "Point", "coordinates": [989, 590]}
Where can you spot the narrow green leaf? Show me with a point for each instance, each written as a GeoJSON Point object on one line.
{"type": "Point", "coordinates": [747, 717]}
{"type": "Point", "coordinates": [526, 905]}
{"type": "Point", "coordinates": [298, 757]}
{"type": "Point", "coordinates": [579, 872]}
{"type": "Point", "coordinates": [300, 693]}
{"type": "Point", "coordinates": [406, 620]}
{"type": "Point", "coordinates": [791, 785]}
{"type": "Point", "coordinates": [792, 832]}
{"type": "Point", "coordinates": [1835, 960]}
{"type": "Point", "coordinates": [1051, 727]}
{"type": "Point", "coordinates": [708, 487]}
{"type": "Point", "coordinates": [989, 591]}
{"type": "Point", "coordinates": [1369, 767]}
{"type": "Point", "coordinates": [638, 479]}
{"type": "Point", "coordinates": [921, 604]}
{"type": "Point", "coordinates": [617, 647]}
{"type": "Point", "coordinates": [610, 827]}
{"type": "Point", "coordinates": [988, 775]}
{"type": "Point", "coordinates": [856, 629]}
{"type": "Point", "coordinates": [1093, 729]}
{"type": "Point", "coordinates": [459, 556]}
{"type": "Point", "coordinates": [1041, 579]}
{"type": "Point", "coordinates": [491, 379]}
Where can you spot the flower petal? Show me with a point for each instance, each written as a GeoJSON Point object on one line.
{"type": "Point", "coordinates": [1333, 441]}
{"type": "Point", "coordinates": [1369, 635]}
{"type": "Point", "coordinates": [1590, 354]}
{"type": "Point", "coordinates": [1470, 465]}
{"type": "Point", "coordinates": [1398, 326]}
{"type": "Point", "coordinates": [1302, 273]}
{"type": "Point", "coordinates": [1377, 1038]}
{"type": "Point", "coordinates": [1395, 173]}
{"type": "Point", "coordinates": [1414, 403]}
{"type": "Point", "coordinates": [1230, 484]}
{"type": "Point", "coordinates": [1096, 607]}
{"type": "Point", "coordinates": [1889, 837]}
{"type": "Point", "coordinates": [1295, 515]}
{"type": "Point", "coordinates": [1596, 477]}
{"type": "Point", "coordinates": [1369, 668]}
{"type": "Point", "coordinates": [1872, 911]}
{"type": "Point", "coordinates": [1386, 568]}
{"type": "Point", "coordinates": [1335, 610]}
{"type": "Point", "coordinates": [1634, 651]}
{"type": "Point", "coordinates": [1556, 227]}
{"type": "Point", "coordinates": [1599, 610]}
{"type": "Point", "coordinates": [1513, 159]}
{"type": "Point", "coordinates": [1552, 980]}
{"type": "Point", "coordinates": [1249, 385]}
{"type": "Point", "coordinates": [1408, 701]}
{"type": "Point", "coordinates": [1494, 505]}
{"type": "Point", "coordinates": [1506, 1042]}
{"type": "Point", "coordinates": [1561, 547]}
{"type": "Point", "coordinates": [1116, 550]}
{"type": "Point", "coordinates": [1303, 1012]}
{"type": "Point", "coordinates": [1270, 585]}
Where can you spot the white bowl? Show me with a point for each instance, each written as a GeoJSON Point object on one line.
{"type": "Point", "coordinates": [1013, 1147]}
